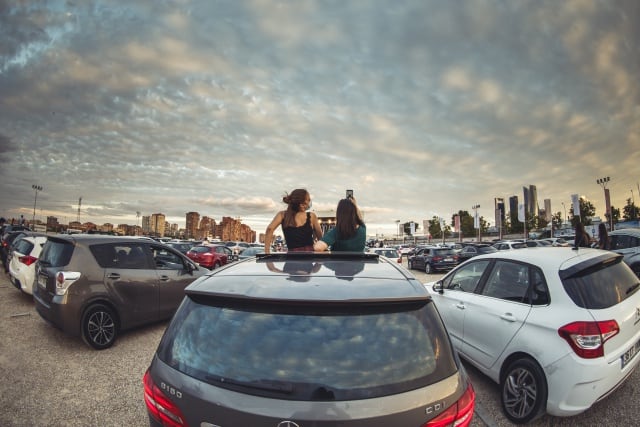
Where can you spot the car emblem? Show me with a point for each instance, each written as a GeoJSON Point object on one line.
{"type": "Point", "coordinates": [287, 424]}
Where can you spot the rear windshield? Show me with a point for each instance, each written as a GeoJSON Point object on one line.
{"type": "Point", "coordinates": [200, 249]}
{"type": "Point", "coordinates": [443, 252]}
{"type": "Point", "coordinates": [23, 247]}
{"type": "Point", "coordinates": [602, 286]}
{"type": "Point", "coordinates": [56, 253]}
{"type": "Point", "coordinates": [306, 353]}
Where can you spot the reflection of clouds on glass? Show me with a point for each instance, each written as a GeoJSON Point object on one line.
{"type": "Point", "coordinates": [340, 351]}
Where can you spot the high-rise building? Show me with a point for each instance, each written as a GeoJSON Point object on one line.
{"type": "Point", "coordinates": [513, 209]}
{"type": "Point", "coordinates": [157, 224]}
{"type": "Point", "coordinates": [532, 209]}
{"type": "Point", "coordinates": [192, 222]}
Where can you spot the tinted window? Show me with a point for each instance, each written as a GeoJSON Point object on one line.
{"type": "Point", "coordinates": [508, 281]}
{"type": "Point", "coordinates": [315, 352]}
{"type": "Point", "coordinates": [602, 286]}
{"type": "Point", "coordinates": [165, 259]}
{"type": "Point", "coordinates": [443, 252]}
{"type": "Point", "coordinates": [120, 255]}
{"type": "Point", "coordinates": [466, 278]}
{"type": "Point", "coordinates": [200, 249]}
{"type": "Point", "coordinates": [23, 246]}
{"type": "Point", "coordinates": [56, 253]}
{"type": "Point", "coordinates": [623, 241]}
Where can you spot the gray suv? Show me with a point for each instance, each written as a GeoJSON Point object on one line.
{"type": "Point", "coordinates": [96, 286]}
{"type": "Point", "coordinates": [626, 241]}
{"type": "Point", "coordinates": [307, 339]}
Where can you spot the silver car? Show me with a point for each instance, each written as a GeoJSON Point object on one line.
{"type": "Point", "coordinates": [307, 339]}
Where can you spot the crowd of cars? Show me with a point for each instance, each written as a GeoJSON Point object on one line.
{"type": "Point", "coordinates": [557, 328]}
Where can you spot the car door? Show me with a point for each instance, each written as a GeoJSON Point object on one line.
{"type": "Point", "coordinates": [131, 281]}
{"type": "Point", "coordinates": [496, 313]}
{"type": "Point", "coordinates": [457, 288]}
{"type": "Point", "coordinates": [173, 276]}
{"type": "Point", "coordinates": [417, 261]}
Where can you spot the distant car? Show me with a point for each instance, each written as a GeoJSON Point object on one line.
{"type": "Point", "coordinates": [237, 247]}
{"type": "Point", "coordinates": [432, 259]}
{"type": "Point", "coordinates": [556, 328]}
{"type": "Point", "coordinates": [473, 249]}
{"type": "Point", "coordinates": [8, 240]}
{"type": "Point", "coordinates": [307, 339]}
{"type": "Point", "coordinates": [536, 243]}
{"type": "Point", "coordinates": [509, 245]}
{"type": "Point", "coordinates": [390, 253]}
{"type": "Point", "coordinates": [251, 252]}
{"type": "Point", "coordinates": [627, 242]}
{"type": "Point", "coordinates": [96, 286]}
{"type": "Point", "coordinates": [557, 241]}
{"type": "Point", "coordinates": [22, 267]}
{"type": "Point", "coordinates": [183, 247]}
{"type": "Point", "coordinates": [210, 256]}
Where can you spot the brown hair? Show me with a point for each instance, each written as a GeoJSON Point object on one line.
{"type": "Point", "coordinates": [293, 200]}
{"type": "Point", "coordinates": [347, 218]}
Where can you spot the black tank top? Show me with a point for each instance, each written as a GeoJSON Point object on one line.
{"type": "Point", "coordinates": [298, 237]}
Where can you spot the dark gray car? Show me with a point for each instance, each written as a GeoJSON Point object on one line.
{"type": "Point", "coordinates": [96, 286]}
{"type": "Point", "coordinates": [307, 339]}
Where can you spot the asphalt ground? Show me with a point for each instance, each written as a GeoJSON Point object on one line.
{"type": "Point", "coordinates": [50, 379]}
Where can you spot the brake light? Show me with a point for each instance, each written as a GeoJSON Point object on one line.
{"type": "Point", "coordinates": [587, 338]}
{"type": "Point", "coordinates": [159, 406]}
{"type": "Point", "coordinates": [437, 258]}
{"type": "Point", "coordinates": [457, 415]}
{"type": "Point", "coordinates": [27, 259]}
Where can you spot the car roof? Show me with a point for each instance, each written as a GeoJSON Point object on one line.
{"type": "Point", "coordinates": [99, 238]}
{"type": "Point", "coordinates": [550, 257]}
{"type": "Point", "coordinates": [346, 277]}
{"type": "Point", "coordinates": [630, 231]}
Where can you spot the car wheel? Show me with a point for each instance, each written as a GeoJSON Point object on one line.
{"type": "Point", "coordinates": [99, 326]}
{"type": "Point", "coordinates": [428, 269]}
{"type": "Point", "coordinates": [216, 265]}
{"type": "Point", "coordinates": [524, 391]}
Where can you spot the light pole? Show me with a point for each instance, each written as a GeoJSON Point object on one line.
{"type": "Point", "coordinates": [633, 203]}
{"type": "Point", "coordinates": [565, 214]}
{"type": "Point", "coordinates": [476, 220]}
{"type": "Point", "coordinates": [603, 182]}
{"type": "Point", "coordinates": [35, 200]}
{"type": "Point", "coordinates": [397, 229]}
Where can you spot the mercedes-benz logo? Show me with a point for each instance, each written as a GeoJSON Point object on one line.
{"type": "Point", "coordinates": [287, 424]}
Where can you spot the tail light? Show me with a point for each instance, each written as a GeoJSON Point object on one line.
{"type": "Point", "coordinates": [457, 415]}
{"type": "Point", "coordinates": [27, 260]}
{"type": "Point", "coordinates": [587, 338]}
{"type": "Point", "coordinates": [159, 406]}
{"type": "Point", "coordinates": [437, 258]}
{"type": "Point", "coordinates": [64, 279]}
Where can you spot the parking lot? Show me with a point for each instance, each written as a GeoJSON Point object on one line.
{"type": "Point", "coordinates": [50, 379]}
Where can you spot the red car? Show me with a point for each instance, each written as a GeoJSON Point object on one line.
{"type": "Point", "coordinates": [210, 256]}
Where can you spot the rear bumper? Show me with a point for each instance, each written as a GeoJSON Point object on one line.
{"type": "Point", "coordinates": [56, 313]}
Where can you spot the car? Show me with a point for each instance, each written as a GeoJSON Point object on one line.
{"type": "Point", "coordinates": [181, 246]}
{"type": "Point", "coordinates": [22, 266]}
{"type": "Point", "coordinates": [536, 243]}
{"type": "Point", "coordinates": [626, 241]}
{"type": "Point", "coordinates": [210, 256]}
{"type": "Point", "coordinates": [473, 249]}
{"type": "Point", "coordinates": [558, 329]}
{"type": "Point", "coordinates": [557, 241]}
{"type": "Point", "coordinates": [8, 240]}
{"type": "Point", "coordinates": [251, 252]}
{"type": "Point", "coordinates": [302, 339]}
{"type": "Point", "coordinates": [237, 247]}
{"type": "Point", "coordinates": [390, 253]}
{"type": "Point", "coordinates": [96, 286]}
{"type": "Point", "coordinates": [432, 259]}
{"type": "Point", "coordinates": [509, 245]}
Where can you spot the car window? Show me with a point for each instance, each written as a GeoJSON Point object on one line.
{"type": "Point", "coordinates": [467, 277]}
{"type": "Point", "coordinates": [23, 246]}
{"type": "Point", "coordinates": [165, 259]}
{"type": "Point", "coordinates": [538, 289]}
{"type": "Point", "coordinates": [310, 348]}
{"type": "Point", "coordinates": [508, 281]}
{"type": "Point", "coordinates": [56, 253]}
{"type": "Point", "coordinates": [623, 241]}
{"type": "Point", "coordinates": [200, 249]}
{"type": "Point", "coordinates": [121, 255]}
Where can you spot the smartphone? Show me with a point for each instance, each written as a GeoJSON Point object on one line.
{"type": "Point", "coordinates": [349, 194]}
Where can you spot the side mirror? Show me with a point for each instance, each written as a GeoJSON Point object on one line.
{"type": "Point", "coordinates": [437, 287]}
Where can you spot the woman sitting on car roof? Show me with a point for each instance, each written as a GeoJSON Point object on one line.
{"type": "Point", "coordinates": [349, 234]}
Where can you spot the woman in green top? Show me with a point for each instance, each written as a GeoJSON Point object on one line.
{"type": "Point", "coordinates": [349, 234]}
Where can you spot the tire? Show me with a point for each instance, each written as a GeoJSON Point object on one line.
{"type": "Point", "coordinates": [216, 265]}
{"type": "Point", "coordinates": [99, 326]}
{"type": "Point", "coordinates": [523, 391]}
{"type": "Point", "coordinates": [427, 268]}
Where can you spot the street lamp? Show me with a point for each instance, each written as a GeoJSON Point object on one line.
{"type": "Point", "coordinates": [476, 220]}
{"type": "Point", "coordinates": [35, 199]}
{"type": "Point", "coordinates": [603, 182]}
{"type": "Point", "coordinates": [565, 214]}
{"type": "Point", "coordinates": [633, 203]}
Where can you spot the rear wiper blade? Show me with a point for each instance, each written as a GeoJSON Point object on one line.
{"type": "Point", "coordinates": [633, 288]}
{"type": "Point", "coordinates": [269, 385]}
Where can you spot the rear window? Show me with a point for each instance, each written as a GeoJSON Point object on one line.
{"type": "Point", "coordinates": [602, 286]}
{"type": "Point", "coordinates": [310, 352]}
{"type": "Point", "coordinates": [200, 249]}
{"type": "Point", "coordinates": [443, 252]}
{"type": "Point", "coordinates": [56, 253]}
{"type": "Point", "coordinates": [23, 247]}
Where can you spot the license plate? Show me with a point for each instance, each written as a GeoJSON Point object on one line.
{"type": "Point", "coordinates": [630, 354]}
{"type": "Point", "coordinates": [448, 259]}
{"type": "Point", "coordinates": [42, 282]}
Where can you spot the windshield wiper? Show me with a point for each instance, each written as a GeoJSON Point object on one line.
{"type": "Point", "coordinates": [633, 288]}
{"type": "Point", "coordinates": [268, 385]}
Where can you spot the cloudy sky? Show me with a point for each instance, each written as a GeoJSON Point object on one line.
{"type": "Point", "coordinates": [422, 107]}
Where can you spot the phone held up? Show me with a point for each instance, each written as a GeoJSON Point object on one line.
{"type": "Point", "coordinates": [349, 194]}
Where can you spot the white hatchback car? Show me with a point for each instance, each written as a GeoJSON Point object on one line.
{"type": "Point", "coordinates": [22, 267]}
{"type": "Point", "coordinates": [557, 328]}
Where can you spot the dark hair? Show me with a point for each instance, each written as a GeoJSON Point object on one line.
{"type": "Point", "coordinates": [347, 218]}
{"type": "Point", "coordinates": [293, 200]}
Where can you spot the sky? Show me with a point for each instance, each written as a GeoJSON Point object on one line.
{"type": "Point", "coordinates": [423, 108]}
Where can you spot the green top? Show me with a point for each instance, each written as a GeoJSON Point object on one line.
{"type": "Point", "coordinates": [354, 244]}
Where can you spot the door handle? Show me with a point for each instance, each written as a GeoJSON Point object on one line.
{"type": "Point", "coordinates": [460, 305]}
{"type": "Point", "coordinates": [114, 276]}
{"type": "Point", "coordinates": [508, 317]}
{"type": "Point", "coordinates": [164, 278]}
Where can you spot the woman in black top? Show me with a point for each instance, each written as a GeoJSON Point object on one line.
{"type": "Point", "coordinates": [603, 237]}
{"type": "Point", "coordinates": [582, 237]}
{"type": "Point", "coordinates": [300, 228]}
